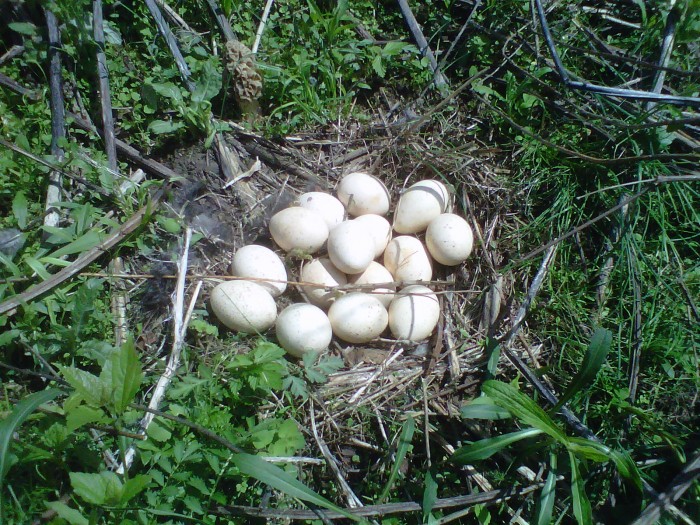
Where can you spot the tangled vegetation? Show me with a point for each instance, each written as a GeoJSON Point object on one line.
{"type": "Point", "coordinates": [562, 386]}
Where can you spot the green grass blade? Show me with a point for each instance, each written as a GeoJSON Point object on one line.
{"type": "Point", "coordinates": [8, 426]}
{"type": "Point", "coordinates": [483, 408]}
{"type": "Point", "coordinates": [627, 468]}
{"type": "Point", "coordinates": [486, 448]}
{"type": "Point", "coordinates": [524, 408]}
{"type": "Point", "coordinates": [275, 477]}
{"type": "Point", "coordinates": [585, 448]}
{"type": "Point", "coordinates": [405, 438]}
{"type": "Point", "coordinates": [596, 353]}
{"type": "Point", "coordinates": [547, 497]}
{"type": "Point", "coordinates": [430, 488]}
{"type": "Point", "coordinates": [582, 507]}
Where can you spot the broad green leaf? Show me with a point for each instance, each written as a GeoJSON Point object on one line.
{"type": "Point", "coordinates": [627, 468]}
{"type": "Point", "coordinates": [160, 127]}
{"type": "Point", "coordinates": [169, 224]}
{"type": "Point", "coordinates": [493, 350]}
{"type": "Point", "coordinates": [9, 425]}
{"type": "Point", "coordinates": [596, 353]}
{"type": "Point", "coordinates": [582, 507]}
{"type": "Point", "coordinates": [20, 209]}
{"type": "Point", "coordinates": [87, 385]}
{"type": "Point", "coordinates": [72, 516]}
{"type": "Point", "coordinates": [39, 268]}
{"type": "Point", "coordinates": [402, 447]}
{"type": "Point", "coordinates": [104, 488]}
{"type": "Point", "coordinates": [56, 262]}
{"type": "Point", "coordinates": [585, 448]}
{"type": "Point", "coordinates": [393, 48]}
{"type": "Point", "coordinates": [430, 488]}
{"type": "Point", "coordinates": [12, 267]}
{"type": "Point", "coordinates": [83, 415]}
{"type": "Point", "coordinates": [133, 486]}
{"type": "Point", "coordinates": [82, 244]}
{"type": "Point", "coordinates": [23, 28]}
{"type": "Point", "coordinates": [127, 375]}
{"type": "Point", "coordinates": [157, 432]}
{"type": "Point", "coordinates": [547, 497]}
{"type": "Point", "coordinates": [167, 90]}
{"type": "Point", "coordinates": [278, 479]}
{"type": "Point", "coordinates": [486, 448]}
{"type": "Point", "coordinates": [483, 408]}
{"type": "Point", "coordinates": [524, 408]}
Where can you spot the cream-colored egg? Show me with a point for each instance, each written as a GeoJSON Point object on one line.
{"type": "Point", "coordinates": [362, 194]}
{"type": "Point", "coordinates": [260, 262]}
{"type": "Point", "coordinates": [376, 274]}
{"type": "Point", "coordinates": [419, 205]}
{"type": "Point", "coordinates": [378, 228]}
{"type": "Point", "coordinates": [358, 317]}
{"type": "Point", "coordinates": [327, 206]}
{"type": "Point", "coordinates": [414, 313]}
{"type": "Point", "coordinates": [303, 328]}
{"type": "Point", "coordinates": [322, 271]}
{"type": "Point", "coordinates": [406, 259]}
{"type": "Point", "coordinates": [297, 228]}
{"type": "Point", "coordinates": [243, 306]}
{"type": "Point", "coordinates": [350, 249]}
{"type": "Point", "coordinates": [449, 239]}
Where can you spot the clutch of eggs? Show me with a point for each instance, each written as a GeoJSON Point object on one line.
{"type": "Point", "coordinates": [359, 249]}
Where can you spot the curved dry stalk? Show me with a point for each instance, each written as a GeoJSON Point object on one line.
{"type": "Point", "coordinates": [103, 78]}
{"type": "Point", "coordinates": [115, 237]}
{"type": "Point", "coordinates": [423, 46]}
{"type": "Point", "coordinates": [261, 26]}
{"type": "Point", "coordinates": [58, 123]}
{"type": "Point", "coordinates": [179, 328]}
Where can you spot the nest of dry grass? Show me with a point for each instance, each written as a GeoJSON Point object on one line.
{"type": "Point", "coordinates": [386, 380]}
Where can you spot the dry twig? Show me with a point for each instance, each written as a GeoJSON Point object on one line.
{"type": "Point", "coordinates": [58, 124]}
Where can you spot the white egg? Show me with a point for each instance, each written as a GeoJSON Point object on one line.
{"type": "Point", "coordinates": [261, 263]}
{"type": "Point", "coordinates": [303, 328]}
{"type": "Point", "coordinates": [414, 313]}
{"type": "Point", "coordinates": [419, 205]}
{"type": "Point", "coordinates": [297, 228]}
{"type": "Point", "coordinates": [376, 274]}
{"type": "Point", "coordinates": [378, 228]}
{"type": "Point", "coordinates": [350, 249]}
{"type": "Point", "coordinates": [358, 317]}
{"type": "Point", "coordinates": [449, 239]}
{"type": "Point", "coordinates": [406, 259]}
{"type": "Point", "coordinates": [362, 194]}
{"type": "Point", "coordinates": [243, 306]}
{"type": "Point", "coordinates": [327, 206]}
{"type": "Point", "coordinates": [322, 271]}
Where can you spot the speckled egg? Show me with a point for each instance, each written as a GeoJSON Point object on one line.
{"type": "Point", "coordinates": [419, 205]}
{"type": "Point", "coordinates": [327, 206]}
{"type": "Point", "coordinates": [260, 262]}
{"type": "Point", "coordinates": [303, 328]}
{"type": "Point", "coordinates": [378, 228]}
{"type": "Point", "coordinates": [449, 239]}
{"type": "Point", "coordinates": [358, 317]}
{"type": "Point", "coordinates": [414, 313]}
{"type": "Point", "coordinates": [406, 259]}
{"type": "Point", "coordinates": [297, 228]}
{"type": "Point", "coordinates": [376, 274]}
{"type": "Point", "coordinates": [321, 271]}
{"type": "Point", "coordinates": [350, 249]}
{"type": "Point", "coordinates": [243, 306]}
{"type": "Point", "coordinates": [362, 194]}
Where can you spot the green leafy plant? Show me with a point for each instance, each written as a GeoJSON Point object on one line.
{"type": "Point", "coordinates": [9, 425]}
{"type": "Point", "coordinates": [501, 400]}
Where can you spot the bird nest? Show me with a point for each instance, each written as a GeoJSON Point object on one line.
{"type": "Point", "coordinates": [384, 378]}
